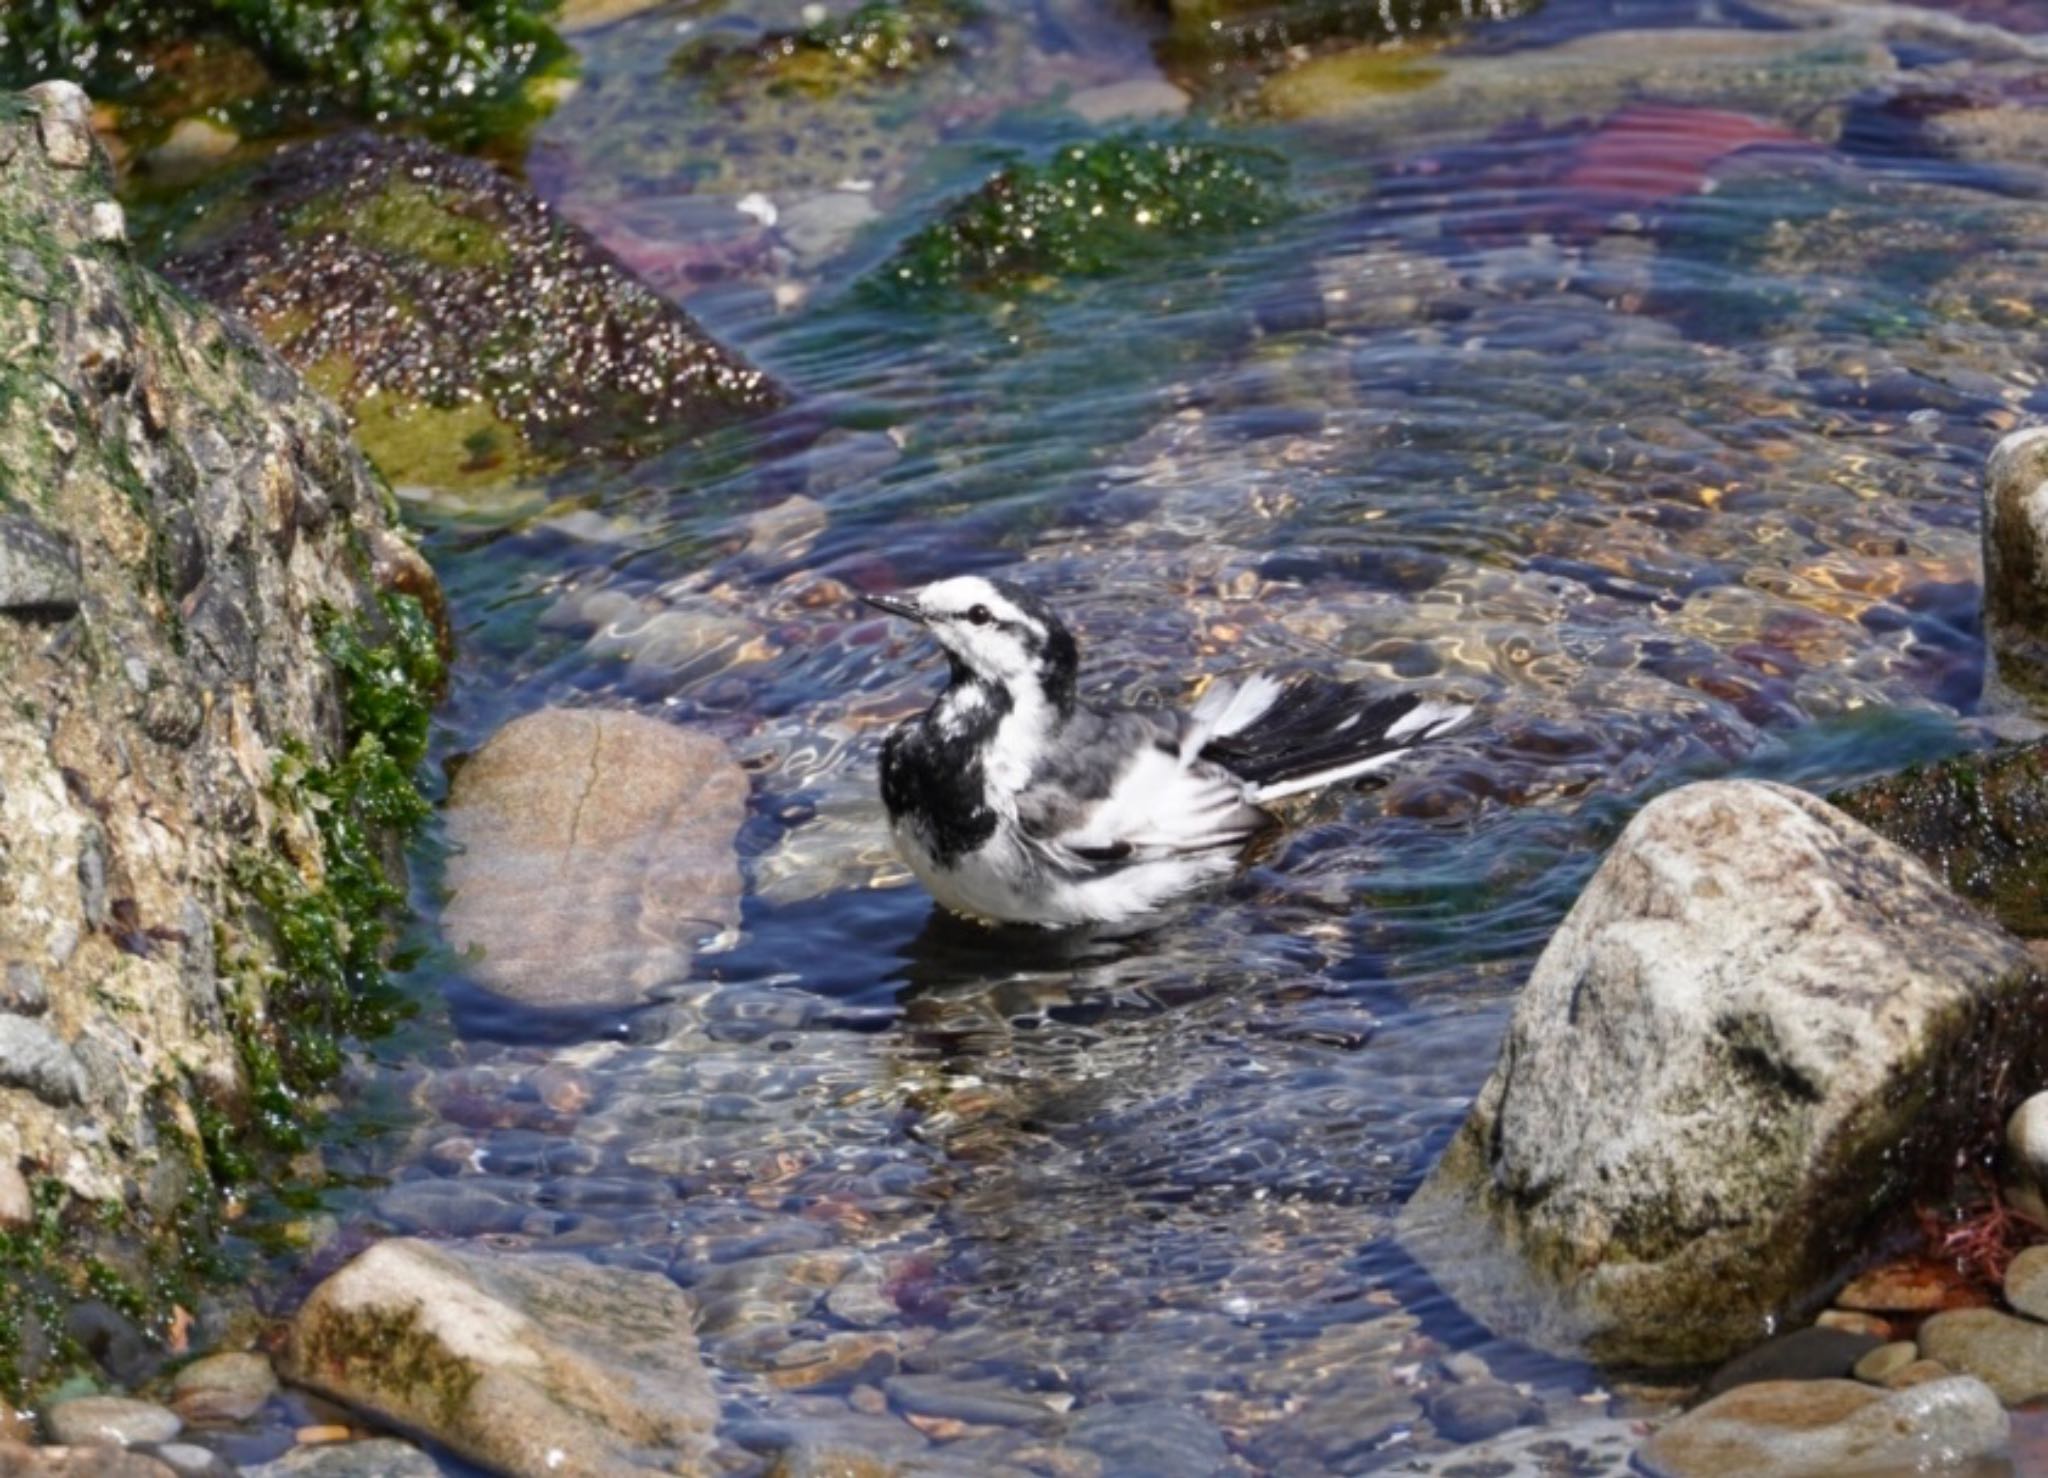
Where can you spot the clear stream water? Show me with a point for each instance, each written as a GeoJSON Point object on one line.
{"type": "Point", "coordinates": [1673, 472]}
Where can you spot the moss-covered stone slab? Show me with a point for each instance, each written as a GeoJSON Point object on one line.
{"type": "Point", "coordinates": [1979, 820]}
{"type": "Point", "coordinates": [475, 336]}
{"type": "Point", "coordinates": [186, 541]}
{"type": "Point", "coordinates": [1761, 1029]}
{"type": "Point", "coordinates": [535, 1366]}
{"type": "Point", "coordinates": [1208, 34]}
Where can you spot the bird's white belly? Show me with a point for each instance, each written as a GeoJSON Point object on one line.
{"type": "Point", "coordinates": [1000, 882]}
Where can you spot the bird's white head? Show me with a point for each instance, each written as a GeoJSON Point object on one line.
{"type": "Point", "coordinates": [994, 631]}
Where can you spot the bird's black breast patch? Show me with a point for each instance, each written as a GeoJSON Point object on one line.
{"type": "Point", "coordinates": [932, 776]}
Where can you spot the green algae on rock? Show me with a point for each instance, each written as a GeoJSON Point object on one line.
{"type": "Point", "coordinates": [185, 531]}
{"type": "Point", "coordinates": [1979, 820]}
{"type": "Point", "coordinates": [262, 62]}
{"type": "Point", "coordinates": [1091, 210]}
{"type": "Point", "coordinates": [474, 335]}
{"type": "Point", "coordinates": [1207, 35]}
{"type": "Point", "coordinates": [872, 43]}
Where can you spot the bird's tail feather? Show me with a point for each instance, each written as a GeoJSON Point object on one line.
{"type": "Point", "coordinates": [1310, 733]}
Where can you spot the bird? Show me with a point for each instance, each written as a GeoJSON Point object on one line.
{"type": "Point", "coordinates": [1014, 801]}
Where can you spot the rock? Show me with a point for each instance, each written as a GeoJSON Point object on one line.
{"type": "Point", "coordinates": [1880, 1364]}
{"type": "Point", "coordinates": [190, 1460]}
{"type": "Point", "coordinates": [978, 1403]}
{"type": "Point", "coordinates": [195, 516]}
{"type": "Point", "coordinates": [1812, 1353]}
{"type": "Point", "coordinates": [84, 1420]}
{"type": "Point", "coordinates": [1918, 1373]}
{"type": "Point", "coordinates": [2016, 561]}
{"type": "Point", "coordinates": [38, 569]}
{"type": "Point", "coordinates": [17, 1205]}
{"type": "Point", "coordinates": [819, 227]}
{"type": "Point", "coordinates": [1598, 1449]}
{"type": "Point", "coordinates": [530, 1366]}
{"type": "Point", "coordinates": [382, 1457]}
{"type": "Point", "coordinates": [1474, 1411]}
{"type": "Point", "coordinates": [518, 344]}
{"type": "Point", "coordinates": [1746, 947]}
{"type": "Point", "coordinates": [1132, 98]}
{"type": "Point", "coordinates": [1855, 1322]}
{"type": "Point", "coordinates": [2026, 1283]}
{"type": "Point", "coordinates": [190, 149]}
{"type": "Point", "coordinates": [2026, 1156]}
{"type": "Point", "coordinates": [2009, 1355]}
{"type": "Point", "coordinates": [19, 1461]}
{"type": "Point", "coordinates": [1151, 1437]}
{"type": "Point", "coordinates": [223, 1388]}
{"type": "Point", "coordinates": [1777, 74]}
{"type": "Point", "coordinates": [595, 852]}
{"type": "Point", "coordinates": [1792, 1429]}
{"type": "Point", "coordinates": [837, 1359]}
{"type": "Point", "coordinates": [1914, 1285]}
{"type": "Point", "coordinates": [1972, 819]}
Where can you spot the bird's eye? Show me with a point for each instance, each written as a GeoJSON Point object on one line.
{"type": "Point", "coordinates": [980, 615]}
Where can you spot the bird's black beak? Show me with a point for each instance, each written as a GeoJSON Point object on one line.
{"type": "Point", "coordinates": [897, 605]}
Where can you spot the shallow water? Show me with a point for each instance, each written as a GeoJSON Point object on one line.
{"type": "Point", "coordinates": [1664, 454]}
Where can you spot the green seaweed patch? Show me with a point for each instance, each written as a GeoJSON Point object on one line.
{"type": "Point", "coordinates": [876, 42]}
{"type": "Point", "coordinates": [1092, 210]}
{"type": "Point", "coordinates": [331, 925]}
{"type": "Point", "coordinates": [461, 67]}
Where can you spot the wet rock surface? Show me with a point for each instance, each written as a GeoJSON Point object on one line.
{"type": "Point", "coordinates": [473, 335]}
{"type": "Point", "coordinates": [1974, 819]}
{"type": "Point", "coordinates": [1707, 965]}
{"type": "Point", "coordinates": [1805, 1429]}
{"type": "Point", "coordinates": [2016, 560]}
{"type": "Point", "coordinates": [596, 855]}
{"type": "Point", "coordinates": [2008, 1354]}
{"type": "Point", "coordinates": [180, 521]}
{"type": "Point", "coordinates": [528, 1365]}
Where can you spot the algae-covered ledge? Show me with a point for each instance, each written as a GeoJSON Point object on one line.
{"type": "Point", "coordinates": [214, 700]}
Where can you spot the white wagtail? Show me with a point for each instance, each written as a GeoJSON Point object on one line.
{"type": "Point", "coordinates": [1015, 802]}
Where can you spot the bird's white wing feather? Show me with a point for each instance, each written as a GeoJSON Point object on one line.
{"type": "Point", "coordinates": [1161, 805]}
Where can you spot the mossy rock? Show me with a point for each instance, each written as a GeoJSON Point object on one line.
{"type": "Point", "coordinates": [462, 66]}
{"type": "Point", "coordinates": [1209, 37]}
{"type": "Point", "coordinates": [475, 335]}
{"type": "Point", "coordinates": [873, 44]}
{"type": "Point", "coordinates": [1979, 820]}
{"type": "Point", "coordinates": [212, 701]}
{"type": "Point", "coordinates": [1091, 210]}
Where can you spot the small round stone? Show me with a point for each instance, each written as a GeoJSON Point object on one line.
{"type": "Point", "coordinates": [223, 1388]}
{"type": "Point", "coordinates": [2026, 1283]}
{"type": "Point", "coordinates": [86, 1420]}
{"type": "Point", "coordinates": [1886, 1360]}
{"type": "Point", "coordinates": [1481, 1409]}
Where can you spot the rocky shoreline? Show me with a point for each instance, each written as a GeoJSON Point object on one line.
{"type": "Point", "coordinates": [1762, 1040]}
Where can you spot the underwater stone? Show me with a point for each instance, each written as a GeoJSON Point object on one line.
{"type": "Point", "coordinates": [2026, 1283]}
{"type": "Point", "coordinates": [2016, 561]}
{"type": "Point", "coordinates": [536, 1366]}
{"type": "Point", "coordinates": [117, 1419]}
{"type": "Point", "coordinates": [2010, 1355]}
{"type": "Point", "coordinates": [595, 853]}
{"type": "Point", "coordinates": [1760, 1027]}
{"type": "Point", "coordinates": [1806, 1429]}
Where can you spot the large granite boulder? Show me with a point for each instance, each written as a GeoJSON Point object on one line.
{"type": "Point", "coordinates": [595, 855]}
{"type": "Point", "coordinates": [2016, 562]}
{"type": "Point", "coordinates": [185, 532]}
{"type": "Point", "coordinates": [1760, 1028]}
{"type": "Point", "coordinates": [537, 1365]}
